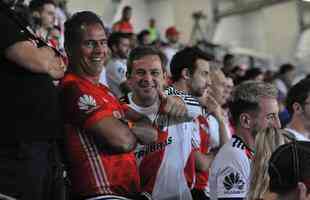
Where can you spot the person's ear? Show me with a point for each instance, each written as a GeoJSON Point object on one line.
{"type": "Point", "coordinates": [165, 75]}
{"type": "Point", "coordinates": [297, 108]}
{"type": "Point", "coordinates": [245, 120]}
{"type": "Point", "coordinates": [186, 74]}
{"type": "Point", "coordinates": [128, 75]}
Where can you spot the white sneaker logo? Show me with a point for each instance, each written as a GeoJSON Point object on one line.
{"type": "Point", "coordinates": [87, 103]}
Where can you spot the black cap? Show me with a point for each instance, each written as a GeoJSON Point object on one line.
{"type": "Point", "coordinates": [288, 165]}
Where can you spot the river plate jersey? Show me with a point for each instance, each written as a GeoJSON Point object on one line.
{"type": "Point", "coordinates": [167, 167]}
{"type": "Point", "coordinates": [230, 171]}
{"type": "Point", "coordinates": [94, 170]}
{"type": "Point", "coordinates": [202, 176]}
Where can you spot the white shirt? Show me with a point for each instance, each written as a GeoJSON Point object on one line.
{"type": "Point", "coordinates": [299, 136]}
{"type": "Point", "coordinates": [103, 77]}
{"type": "Point", "coordinates": [177, 145]}
{"type": "Point", "coordinates": [214, 131]}
{"type": "Point", "coordinates": [230, 170]}
{"type": "Point", "coordinates": [281, 86]}
{"type": "Point", "coordinates": [169, 52]}
{"type": "Point", "coordinates": [116, 74]}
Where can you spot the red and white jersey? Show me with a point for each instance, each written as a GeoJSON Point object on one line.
{"type": "Point", "coordinates": [94, 170]}
{"type": "Point", "coordinates": [167, 167]}
{"type": "Point", "coordinates": [202, 177]}
{"type": "Point", "coordinates": [230, 171]}
{"type": "Point", "coordinates": [214, 130]}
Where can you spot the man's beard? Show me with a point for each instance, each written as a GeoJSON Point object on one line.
{"type": "Point", "coordinates": [197, 92]}
{"type": "Point", "coordinates": [306, 119]}
{"type": "Point", "coordinates": [256, 129]}
{"type": "Point", "coordinates": [123, 56]}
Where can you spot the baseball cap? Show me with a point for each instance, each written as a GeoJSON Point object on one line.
{"type": "Point", "coordinates": [288, 165]}
{"type": "Point", "coordinates": [172, 31]}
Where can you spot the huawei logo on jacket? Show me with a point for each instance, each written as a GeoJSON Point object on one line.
{"type": "Point", "coordinates": [87, 103]}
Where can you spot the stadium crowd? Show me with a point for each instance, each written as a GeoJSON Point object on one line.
{"type": "Point", "coordinates": [97, 113]}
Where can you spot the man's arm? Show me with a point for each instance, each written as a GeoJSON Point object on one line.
{"type": "Point", "coordinates": [174, 106]}
{"type": "Point", "coordinates": [188, 106]}
{"type": "Point", "coordinates": [203, 161]}
{"type": "Point", "coordinates": [115, 134]}
{"type": "Point", "coordinates": [37, 60]}
{"type": "Point", "coordinates": [231, 174]}
{"type": "Point", "coordinates": [230, 183]}
{"type": "Point", "coordinates": [16, 47]}
{"type": "Point", "coordinates": [102, 120]}
{"type": "Point", "coordinates": [213, 107]}
{"type": "Point", "coordinates": [142, 127]}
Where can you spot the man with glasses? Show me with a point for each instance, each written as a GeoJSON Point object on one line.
{"type": "Point", "coordinates": [298, 105]}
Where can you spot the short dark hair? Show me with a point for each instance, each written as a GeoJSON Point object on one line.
{"type": "Point", "coordinates": [141, 35]}
{"type": "Point", "coordinates": [288, 165]}
{"type": "Point", "coordinates": [298, 94]}
{"type": "Point", "coordinates": [115, 38]}
{"type": "Point", "coordinates": [227, 58]}
{"type": "Point", "coordinates": [142, 51]}
{"type": "Point", "coordinates": [286, 68]}
{"type": "Point", "coordinates": [252, 73]}
{"type": "Point", "coordinates": [127, 8]}
{"type": "Point", "coordinates": [246, 97]}
{"type": "Point", "coordinates": [73, 26]}
{"type": "Point", "coordinates": [186, 58]}
{"type": "Point", "coordinates": [37, 5]}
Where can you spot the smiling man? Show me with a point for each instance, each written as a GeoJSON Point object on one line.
{"type": "Point", "coordinates": [254, 107]}
{"type": "Point", "coordinates": [99, 140]}
{"type": "Point", "coordinates": [170, 159]}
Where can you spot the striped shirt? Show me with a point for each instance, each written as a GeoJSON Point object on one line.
{"type": "Point", "coordinates": [167, 167]}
